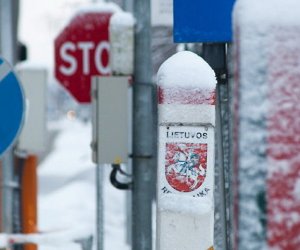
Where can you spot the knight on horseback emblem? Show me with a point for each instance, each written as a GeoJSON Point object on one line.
{"type": "Point", "coordinates": [186, 165]}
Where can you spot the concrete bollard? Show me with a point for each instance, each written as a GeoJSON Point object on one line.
{"type": "Point", "coordinates": [186, 106]}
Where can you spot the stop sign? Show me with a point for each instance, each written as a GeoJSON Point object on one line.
{"type": "Point", "coordinates": [82, 51]}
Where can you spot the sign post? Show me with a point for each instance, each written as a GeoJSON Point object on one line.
{"type": "Point", "coordinates": [11, 106]}
{"type": "Point", "coordinates": [186, 105]}
{"type": "Point", "coordinates": [82, 51]}
{"type": "Point", "coordinates": [267, 112]}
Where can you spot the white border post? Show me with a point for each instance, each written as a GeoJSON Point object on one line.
{"type": "Point", "coordinates": [266, 131]}
{"type": "Point", "coordinates": [186, 89]}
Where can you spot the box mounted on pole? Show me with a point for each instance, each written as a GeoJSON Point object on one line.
{"type": "Point", "coordinates": [33, 138]}
{"type": "Point", "coordinates": [110, 104]}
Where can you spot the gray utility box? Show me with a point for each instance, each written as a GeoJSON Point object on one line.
{"type": "Point", "coordinates": [34, 133]}
{"type": "Point", "coordinates": [111, 115]}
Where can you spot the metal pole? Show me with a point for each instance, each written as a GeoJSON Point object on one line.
{"type": "Point", "coordinates": [8, 31]}
{"type": "Point", "coordinates": [142, 130]}
{"type": "Point", "coordinates": [127, 4]}
{"type": "Point", "coordinates": [100, 207]}
{"type": "Point", "coordinates": [221, 241]}
{"type": "Point", "coordinates": [215, 55]}
{"type": "Point", "coordinates": [230, 195]}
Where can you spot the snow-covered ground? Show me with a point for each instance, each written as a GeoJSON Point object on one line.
{"type": "Point", "coordinates": [67, 193]}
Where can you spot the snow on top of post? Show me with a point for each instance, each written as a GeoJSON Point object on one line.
{"type": "Point", "coordinates": [267, 12]}
{"type": "Point", "coordinates": [188, 70]}
{"type": "Point", "coordinates": [121, 36]}
{"type": "Point", "coordinates": [99, 7]}
{"type": "Point", "coordinates": [121, 19]}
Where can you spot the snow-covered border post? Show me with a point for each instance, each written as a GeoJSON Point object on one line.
{"type": "Point", "coordinates": [267, 124]}
{"type": "Point", "coordinates": [121, 36]}
{"type": "Point", "coordinates": [186, 106]}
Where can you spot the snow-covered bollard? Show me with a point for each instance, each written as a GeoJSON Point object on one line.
{"type": "Point", "coordinates": [185, 206]}
{"type": "Point", "coordinates": [267, 142]}
{"type": "Point", "coordinates": [121, 36]}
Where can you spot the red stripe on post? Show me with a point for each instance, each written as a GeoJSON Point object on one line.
{"type": "Point", "coordinates": [283, 185]}
{"type": "Point", "coordinates": [180, 95]}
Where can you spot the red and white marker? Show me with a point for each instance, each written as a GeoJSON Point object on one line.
{"type": "Point", "coordinates": [267, 125]}
{"type": "Point", "coordinates": [186, 93]}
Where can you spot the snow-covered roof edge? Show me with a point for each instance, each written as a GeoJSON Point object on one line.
{"type": "Point", "coordinates": [98, 7]}
{"type": "Point", "coordinates": [122, 19]}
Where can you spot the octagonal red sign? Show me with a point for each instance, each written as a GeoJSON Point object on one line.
{"type": "Point", "coordinates": [82, 51]}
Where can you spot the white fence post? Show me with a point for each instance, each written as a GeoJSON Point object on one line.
{"type": "Point", "coordinates": [185, 206]}
{"type": "Point", "coordinates": [267, 124]}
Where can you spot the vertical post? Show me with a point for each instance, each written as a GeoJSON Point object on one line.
{"type": "Point", "coordinates": [228, 145]}
{"type": "Point", "coordinates": [100, 207]}
{"type": "Point", "coordinates": [128, 5]}
{"type": "Point", "coordinates": [7, 191]}
{"type": "Point", "coordinates": [8, 32]}
{"type": "Point", "coordinates": [99, 168]}
{"type": "Point", "coordinates": [29, 198]}
{"type": "Point", "coordinates": [267, 91]}
{"type": "Point", "coordinates": [142, 130]}
{"type": "Point", "coordinates": [186, 155]}
{"type": "Point", "coordinates": [7, 38]}
{"type": "Point", "coordinates": [215, 55]}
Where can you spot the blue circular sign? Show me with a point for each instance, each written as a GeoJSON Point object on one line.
{"type": "Point", "coordinates": [11, 106]}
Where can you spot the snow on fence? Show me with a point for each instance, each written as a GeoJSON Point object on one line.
{"type": "Point", "coordinates": [186, 94]}
{"type": "Point", "coordinates": [267, 124]}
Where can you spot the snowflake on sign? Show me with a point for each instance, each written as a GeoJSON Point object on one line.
{"type": "Point", "coordinates": [186, 165]}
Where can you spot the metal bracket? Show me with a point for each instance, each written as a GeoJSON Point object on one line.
{"type": "Point", "coordinates": [140, 156]}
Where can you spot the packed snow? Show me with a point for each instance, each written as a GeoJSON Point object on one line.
{"type": "Point", "coordinates": [67, 194]}
{"type": "Point", "coordinates": [186, 69]}
{"type": "Point", "coordinates": [121, 20]}
{"type": "Point", "coordinates": [121, 36]}
{"type": "Point", "coordinates": [99, 7]}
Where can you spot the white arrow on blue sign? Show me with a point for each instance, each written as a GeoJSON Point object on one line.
{"type": "Point", "coordinates": [11, 106]}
